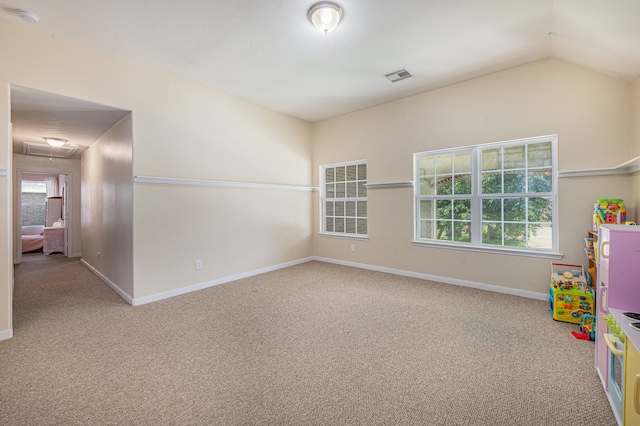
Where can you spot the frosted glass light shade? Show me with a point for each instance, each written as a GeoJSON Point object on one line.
{"type": "Point", "coordinates": [325, 16]}
{"type": "Point", "coordinates": [55, 142]}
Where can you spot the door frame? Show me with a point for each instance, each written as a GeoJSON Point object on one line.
{"type": "Point", "coordinates": [67, 211]}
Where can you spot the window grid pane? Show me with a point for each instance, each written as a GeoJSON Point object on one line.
{"type": "Point", "coordinates": [362, 227]}
{"type": "Point", "coordinates": [462, 231]}
{"type": "Point", "coordinates": [362, 172]}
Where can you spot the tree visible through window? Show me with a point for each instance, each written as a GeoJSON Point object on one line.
{"type": "Point", "coordinates": [488, 195]}
{"type": "Point", "coordinates": [344, 199]}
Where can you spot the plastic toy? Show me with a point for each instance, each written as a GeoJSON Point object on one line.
{"type": "Point", "coordinates": [587, 328]}
{"type": "Point", "coordinates": [569, 298]}
{"type": "Point", "coordinates": [609, 210]}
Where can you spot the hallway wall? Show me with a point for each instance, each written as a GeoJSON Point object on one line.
{"type": "Point", "coordinates": [107, 207]}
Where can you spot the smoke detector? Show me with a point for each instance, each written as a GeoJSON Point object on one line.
{"type": "Point", "coordinates": [27, 16]}
{"type": "Point", "coordinates": [401, 74]}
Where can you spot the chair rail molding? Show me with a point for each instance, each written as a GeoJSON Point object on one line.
{"type": "Point", "coordinates": [626, 168]}
{"type": "Point", "coordinates": [389, 184]}
{"type": "Point", "coordinates": [157, 180]}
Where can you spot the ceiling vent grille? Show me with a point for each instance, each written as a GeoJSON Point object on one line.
{"type": "Point", "coordinates": [44, 150]}
{"type": "Point", "coordinates": [401, 74]}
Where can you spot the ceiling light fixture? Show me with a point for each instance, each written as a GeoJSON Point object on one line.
{"type": "Point", "coordinates": [55, 142]}
{"type": "Point", "coordinates": [325, 16]}
{"type": "Point", "coordinates": [27, 16]}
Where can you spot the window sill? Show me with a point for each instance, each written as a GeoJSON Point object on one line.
{"type": "Point", "coordinates": [487, 249]}
{"type": "Point", "coordinates": [345, 236]}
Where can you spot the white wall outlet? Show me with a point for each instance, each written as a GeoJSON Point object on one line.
{"type": "Point", "coordinates": [198, 264]}
{"type": "Point", "coordinates": [353, 247]}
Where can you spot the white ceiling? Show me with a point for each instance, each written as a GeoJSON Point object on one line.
{"type": "Point", "coordinates": [36, 114]}
{"type": "Point", "coordinates": [267, 52]}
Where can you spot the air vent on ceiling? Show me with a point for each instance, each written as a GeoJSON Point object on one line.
{"type": "Point", "coordinates": [47, 150]}
{"type": "Point", "coordinates": [398, 75]}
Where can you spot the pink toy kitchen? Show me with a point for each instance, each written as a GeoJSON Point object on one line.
{"type": "Point", "coordinates": [617, 355]}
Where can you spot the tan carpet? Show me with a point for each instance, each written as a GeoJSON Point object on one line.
{"type": "Point", "coordinates": [314, 344]}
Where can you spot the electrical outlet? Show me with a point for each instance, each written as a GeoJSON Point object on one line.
{"type": "Point", "coordinates": [98, 254]}
{"type": "Point", "coordinates": [198, 264]}
{"type": "Point", "coordinates": [353, 247]}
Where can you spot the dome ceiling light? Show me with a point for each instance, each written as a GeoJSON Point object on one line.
{"type": "Point", "coordinates": [325, 16]}
{"type": "Point", "coordinates": [55, 142]}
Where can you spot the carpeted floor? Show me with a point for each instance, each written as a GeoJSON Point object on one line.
{"type": "Point", "coordinates": [314, 344]}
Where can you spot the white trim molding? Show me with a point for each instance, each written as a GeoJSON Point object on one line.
{"type": "Point", "coordinates": [445, 280]}
{"type": "Point", "coordinates": [345, 236]}
{"type": "Point", "coordinates": [108, 282]}
{"type": "Point", "coordinates": [156, 180]}
{"type": "Point", "coordinates": [389, 185]}
{"type": "Point", "coordinates": [626, 168]}
{"type": "Point", "coordinates": [489, 249]}
{"type": "Point", "coordinates": [6, 334]}
{"type": "Point", "coordinates": [201, 286]}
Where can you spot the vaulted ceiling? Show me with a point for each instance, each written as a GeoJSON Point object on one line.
{"type": "Point", "coordinates": [268, 53]}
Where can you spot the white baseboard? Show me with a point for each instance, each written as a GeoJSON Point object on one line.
{"type": "Point", "coordinates": [200, 286]}
{"type": "Point", "coordinates": [108, 282]}
{"type": "Point", "coordinates": [207, 284]}
{"type": "Point", "coordinates": [463, 283]}
{"type": "Point", "coordinates": [6, 334]}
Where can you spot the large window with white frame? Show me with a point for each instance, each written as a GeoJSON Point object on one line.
{"type": "Point", "coordinates": [499, 196]}
{"type": "Point", "coordinates": [344, 199]}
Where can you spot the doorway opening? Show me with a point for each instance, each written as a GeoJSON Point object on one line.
{"type": "Point", "coordinates": [43, 200]}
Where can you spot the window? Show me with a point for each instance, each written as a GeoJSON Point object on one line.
{"type": "Point", "coordinates": [494, 197]}
{"type": "Point", "coordinates": [34, 200]}
{"type": "Point", "coordinates": [344, 199]}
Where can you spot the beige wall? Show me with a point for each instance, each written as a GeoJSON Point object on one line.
{"type": "Point", "coordinates": [107, 206]}
{"type": "Point", "coordinates": [231, 230]}
{"type": "Point", "coordinates": [32, 163]}
{"type": "Point", "coordinates": [180, 130]}
{"type": "Point", "coordinates": [589, 113]}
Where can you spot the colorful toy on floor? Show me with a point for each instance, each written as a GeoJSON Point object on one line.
{"type": "Point", "coordinates": [569, 295]}
{"type": "Point", "coordinates": [587, 328]}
